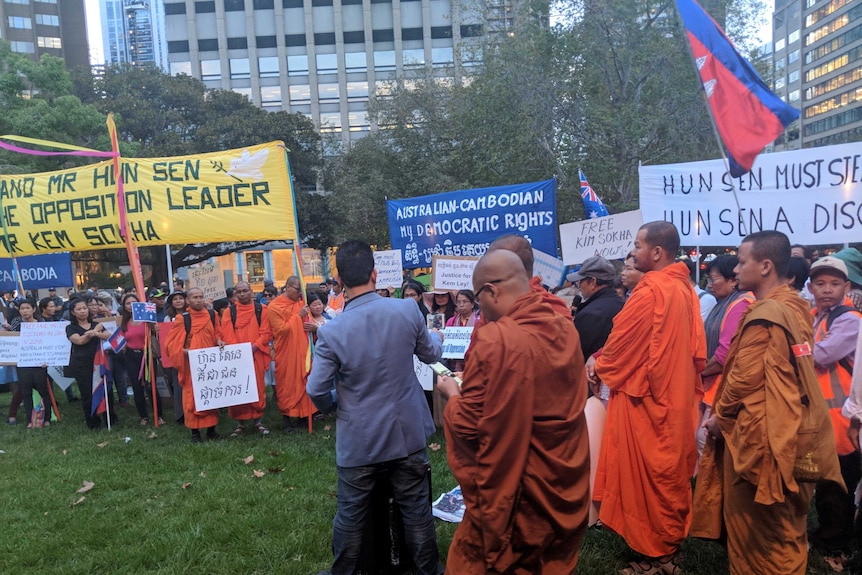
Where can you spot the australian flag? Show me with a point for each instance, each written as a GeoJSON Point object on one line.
{"type": "Point", "coordinates": [747, 114]}
{"type": "Point", "coordinates": [100, 383]}
{"type": "Point", "coordinates": [144, 311]}
{"type": "Point", "coordinates": [593, 206]}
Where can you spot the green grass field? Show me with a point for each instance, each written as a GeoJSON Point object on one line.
{"type": "Point", "coordinates": [161, 504]}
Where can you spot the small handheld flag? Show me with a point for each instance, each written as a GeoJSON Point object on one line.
{"type": "Point", "coordinates": [746, 113]}
{"type": "Point", "coordinates": [117, 341]}
{"type": "Point", "coordinates": [593, 206]}
{"type": "Point", "coordinates": [144, 311]}
{"type": "Point", "coordinates": [99, 402]}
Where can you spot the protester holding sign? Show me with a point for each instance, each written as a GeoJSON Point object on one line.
{"type": "Point", "coordinates": [135, 333]}
{"type": "Point", "coordinates": [86, 336]}
{"type": "Point", "coordinates": [30, 378]}
{"type": "Point", "coordinates": [467, 314]}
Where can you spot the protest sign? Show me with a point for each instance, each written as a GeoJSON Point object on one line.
{"type": "Point", "coordinates": [209, 278]}
{"type": "Point", "coordinates": [164, 329]}
{"type": "Point", "coordinates": [55, 372]}
{"type": "Point", "coordinates": [452, 273]}
{"type": "Point", "coordinates": [611, 237]}
{"type": "Point", "coordinates": [550, 269]}
{"type": "Point", "coordinates": [44, 343]}
{"type": "Point", "coordinates": [812, 195]}
{"type": "Point", "coordinates": [49, 270]}
{"type": "Point", "coordinates": [180, 200]}
{"type": "Point", "coordinates": [456, 340]}
{"type": "Point", "coordinates": [222, 377]}
{"type": "Point", "coordinates": [389, 270]}
{"type": "Point", "coordinates": [423, 374]}
{"type": "Point", "coordinates": [465, 222]}
{"type": "Point", "coordinates": [9, 347]}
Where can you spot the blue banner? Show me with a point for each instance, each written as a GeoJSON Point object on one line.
{"type": "Point", "coordinates": [465, 222]}
{"type": "Point", "coordinates": [45, 271]}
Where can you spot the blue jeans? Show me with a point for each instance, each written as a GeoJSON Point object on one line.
{"type": "Point", "coordinates": [410, 489]}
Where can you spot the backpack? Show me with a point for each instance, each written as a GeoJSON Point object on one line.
{"type": "Point", "coordinates": [258, 309]}
{"type": "Point", "coordinates": [187, 320]}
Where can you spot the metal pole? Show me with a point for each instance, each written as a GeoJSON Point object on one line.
{"type": "Point", "coordinates": [170, 267]}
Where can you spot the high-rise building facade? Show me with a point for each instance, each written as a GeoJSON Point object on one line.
{"type": "Point", "coordinates": [36, 27]}
{"type": "Point", "coordinates": [133, 32]}
{"type": "Point", "coordinates": [323, 58]}
{"type": "Point", "coordinates": [818, 68]}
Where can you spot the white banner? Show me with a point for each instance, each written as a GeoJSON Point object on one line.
{"type": "Point", "coordinates": [452, 273]}
{"type": "Point", "coordinates": [388, 266]}
{"type": "Point", "coordinates": [9, 347]}
{"type": "Point", "coordinates": [611, 237]}
{"type": "Point", "coordinates": [456, 341]}
{"type": "Point", "coordinates": [550, 269]}
{"type": "Point", "coordinates": [812, 195]}
{"type": "Point", "coordinates": [222, 377]}
{"type": "Point", "coordinates": [44, 343]}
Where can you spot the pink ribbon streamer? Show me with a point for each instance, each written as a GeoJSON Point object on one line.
{"type": "Point", "coordinates": [92, 154]}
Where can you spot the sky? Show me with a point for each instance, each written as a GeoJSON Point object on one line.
{"type": "Point", "coordinates": [94, 31]}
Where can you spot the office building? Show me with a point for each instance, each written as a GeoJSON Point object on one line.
{"type": "Point", "coordinates": [818, 68]}
{"type": "Point", "coordinates": [323, 58]}
{"type": "Point", "coordinates": [36, 27]}
{"type": "Point", "coordinates": [133, 32]}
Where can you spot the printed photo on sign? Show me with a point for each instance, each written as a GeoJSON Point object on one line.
{"type": "Point", "coordinates": [222, 377]}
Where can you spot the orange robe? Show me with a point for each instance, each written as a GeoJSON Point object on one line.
{"type": "Point", "coordinates": [292, 360]}
{"type": "Point", "coordinates": [746, 482]}
{"type": "Point", "coordinates": [203, 334]}
{"type": "Point", "coordinates": [517, 444]}
{"type": "Point", "coordinates": [651, 362]}
{"type": "Point", "coordinates": [259, 336]}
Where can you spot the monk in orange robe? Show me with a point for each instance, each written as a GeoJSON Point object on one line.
{"type": "Point", "coordinates": [204, 332]}
{"type": "Point", "coordinates": [290, 331]}
{"type": "Point", "coordinates": [771, 427]}
{"type": "Point", "coordinates": [651, 362]}
{"type": "Point", "coordinates": [247, 321]}
{"type": "Point", "coordinates": [516, 433]}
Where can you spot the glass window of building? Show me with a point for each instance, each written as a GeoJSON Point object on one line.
{"type": "Point", "coordinates": [19, 22]}
{"type": "Point", "coordinates": [793, 37]}
{"type": "Point", "coordinates": [384, 60]}
{"type": "Point", "coordinates": [297, 65]}
{"type": "Point", "coordinates": [22, 47]}
{"type": "Point", "coordinates": [793, 96]}
{"type": "Point", "coordinates": [270, 96]}
{"type": "Point", "coordinates": [300, 94]}
{"type": "Point", "coordinates": [48, 19]}
{"type": "Point", "coordinates": [178, 68]}
{"type": "Point", "coordinates": [234, 5]}
{"type": "Point", "coordinates": [793, 76]}
{"type": "Point", "coordinates": [327, 63]}
{"type": "Point", "coordinates": [779, 83]}
{"type": "Point", "coordinates": [384, 88]}
{"type": "Point", "coordinates": [244, 91]}
{"type": "Point", "coordinates": [268, 66]}
{"type": "Point", "coordinates": [793, 57]}
{"type": "Point", "coordinates": [327, 92]}
{"type": "Point", "coordinates": [211, 70]}
{"type": "Point", "coordinates": [355, 62]}
{"type": "Point", "coordinates": [255, 266]}
{"type": "Point", "coordinates": [239, 69]}
{"type": "Point", "coordinates": [357, 91]}
{"type": "Point", "coordinates": [442, 57]}
{"type": "Point", "coordinates": [414, 58]}
{"type": "Point", "coordinates": [330, 122]}
{"type": "Point", "coordinates": [779, 44]}
{"type": "Point", "coordinates": [49, 42]}
{"type": "Point", "coordinates": [471, 55]}
{"type": "Point", "coordinates": [779, 64]}
{"type": "Point", "coordinates": [358, 121]}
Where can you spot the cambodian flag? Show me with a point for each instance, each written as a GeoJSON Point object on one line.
{"type": "Point", "coordinates": [144, 311]}
{"type": "Point", "coordinates": [747, 114]}
{"type": "Point", "coordinates": [117, 341]}
{"type": "Point", "coordinates": [100, 384]}
{"type": "Point", "coordinates": [593, 206]}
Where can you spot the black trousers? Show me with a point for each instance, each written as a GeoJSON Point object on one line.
{"type": "Point", "coordinates": [84, 379]}
{"type": "Point", "coordinates": [30, 378]}
{"type": "Point", "coordinates": [835, 507]}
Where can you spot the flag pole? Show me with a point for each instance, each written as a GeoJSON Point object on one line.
{"type": "Point", "coordinates": [715, 132]}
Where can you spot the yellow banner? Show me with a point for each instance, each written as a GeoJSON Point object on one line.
{"type": "Point", "coordinates": [235, 195]}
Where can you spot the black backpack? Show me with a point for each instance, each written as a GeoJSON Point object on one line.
{"type": "Point", "coordinates": [187, 320]}
{"type": "Point", "coordinates": [258, 309]}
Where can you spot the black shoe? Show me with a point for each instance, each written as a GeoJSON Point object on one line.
{"type": "Point", "coordinates": [196, 438]}
{"type": "Point", "coordinates": [212, 436]}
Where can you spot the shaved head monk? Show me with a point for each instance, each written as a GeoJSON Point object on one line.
{"type": "Point", "coordinates": [651, 362]}
{"type": "Point", "coordinates": [771, 434]}
{"type": "Point", "coordinates": [516, 433]}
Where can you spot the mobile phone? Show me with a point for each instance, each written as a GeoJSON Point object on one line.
{"type": "Point", "coordinates": [436, 320]}
{"type": "Point", "coordinates": [441, 369]}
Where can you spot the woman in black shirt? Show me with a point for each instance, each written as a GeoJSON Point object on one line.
{"type": "Point", "coordinates": [86, 337]}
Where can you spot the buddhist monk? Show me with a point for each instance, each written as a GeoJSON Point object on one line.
{"type": "Point", "coordinates": [516, 432]}
{"type": "Point", "coordinates": [286, 316]}
{"type": "Point", "coordinates": [204, 331]}
{"type": "Point", "coordinates": [247, 321]}
{"type": "Point", "coordinates": [771, 435]}
{"type": "Point", "coordinates": [651, 363]}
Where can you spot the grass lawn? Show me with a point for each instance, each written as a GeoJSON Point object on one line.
{"type": "Point", "coordinates": [161, 504]}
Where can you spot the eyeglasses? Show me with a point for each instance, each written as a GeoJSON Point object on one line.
{"type": "Point", "coordinates": [711, 280]}
{"type": "Point", "coordinates": [288, 286]}
{"type": "Point", "coordinates": [487, 284]}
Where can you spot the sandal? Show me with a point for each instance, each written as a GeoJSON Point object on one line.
{"type": "Point", "coordinates": [654, 567]}
{"type": "Point", "coordinates": [261, 428]}
{"type": "Point", "coordinates": [161, 421]}
{"type": "Point", "coordinates": [145, 421]}
{"type": "Point", "coordinates": [238, 431]}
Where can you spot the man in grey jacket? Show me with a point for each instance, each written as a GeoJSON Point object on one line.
{"type": "Point", "coordinates": [363, 370]}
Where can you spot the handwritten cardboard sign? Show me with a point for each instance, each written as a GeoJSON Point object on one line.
{"type": "Point", "coordinates": [423, 374]}
{"type": "Point", "coordinates": [222, 377]}
{"type": "Point", "coordinates": [611, 237]}
{"type": "Point", "coordinates": [44, 343]}
{"type": "Point", "coordinates": [453, 273]}
{"type": "Point", "coordinates": [208, 278]}
{"type": "Point", "coordinates": [9, 347]}
{"type": "Point", "coordinates": [456, 340]}
{"type": "Point", "coordinates": [389, 271]}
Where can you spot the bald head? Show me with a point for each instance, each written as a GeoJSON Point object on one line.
{"type": "Point", "coordinates": [499, 279]}
{"type": "Point", "coordinates": [243, 293]}
{"type": "Point", "coordinates": [517, 245]}
{"type": "Point", "coordinates": [195, 298]}
{"type": "Point", "coordinates": [656, 246]}
{"type": "Point", "coordinates": [293, 288]}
